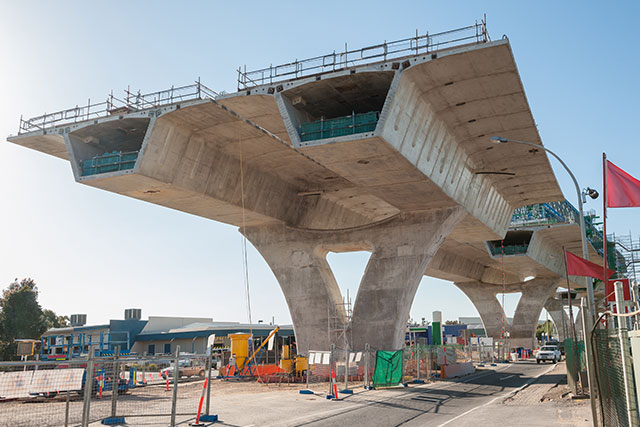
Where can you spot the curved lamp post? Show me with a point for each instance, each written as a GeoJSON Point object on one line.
{"type": "Point", "coordinates": [583, 229]}
{"type": "Point", "coordinates": [585, 254]}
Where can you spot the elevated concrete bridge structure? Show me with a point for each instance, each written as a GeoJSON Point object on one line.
{"type": "Point", "coordinates": [528, 260]}
{"type": "Point", "coordinates": [423, 188]}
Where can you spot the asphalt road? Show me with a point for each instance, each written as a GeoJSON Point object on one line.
{"type": "Point", "coordinates": [437, 404]}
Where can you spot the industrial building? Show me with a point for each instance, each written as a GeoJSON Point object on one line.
{"type": "Point", "coordinates": [156, 335]}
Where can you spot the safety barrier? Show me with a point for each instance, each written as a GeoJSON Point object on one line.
{"type": "Point", "coordinates": [337, 370]}
{"type": "Point", "coordinates": [109, 390]}
{"type": "Point", "coordinates": [341, 126]}
{"type": "Point", "coordinates": [114, 106]}
{"type": "Point", "coordinates": [109, 162]}
{"type": "Point", "coordinates": [420, 44]}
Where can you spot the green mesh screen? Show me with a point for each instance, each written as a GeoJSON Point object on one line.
{"type": "Point", "coordinates": [388, 370]}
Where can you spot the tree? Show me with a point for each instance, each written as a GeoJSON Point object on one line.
{"type": "Point", "coordinates": [543, 328]}
{"type": "Point", "coordinates": [20, 316]}
{"type": "Point", "coordinates": [52, 320]}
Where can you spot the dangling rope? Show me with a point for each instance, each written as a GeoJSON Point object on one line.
{"type": "Point", "coordinates": [245, 261]}
{"type": "Point", "coordinates": [504, 314]}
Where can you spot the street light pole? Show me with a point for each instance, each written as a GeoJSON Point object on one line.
{"type": "Point", "coordinates": [583, 228]}
{"type": "Point", "coordinates": [585, 255]}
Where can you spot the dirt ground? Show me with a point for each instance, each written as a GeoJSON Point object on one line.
{"type": "Point", "coordinates": [143, 401]}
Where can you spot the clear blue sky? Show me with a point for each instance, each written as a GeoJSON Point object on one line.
{"type": "Point", "coordinates": [97, 253]}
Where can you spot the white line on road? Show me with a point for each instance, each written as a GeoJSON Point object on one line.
{"type": "Point", "coordinates": [507, 377]}
{"type": "Point", "coordinates": [499, 397]}
{"type": "Point", "coordinates": [358, 404]}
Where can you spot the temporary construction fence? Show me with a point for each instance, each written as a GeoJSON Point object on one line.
{"type": "Point", "coordinates": [336, 366]}
{"type": "Point", "coordinates": [385, 368]}
{"type": "Point", "coordinates": [110, 390]}
{"type": "Point", "coordinates": [615, 378]}
{"type": "Point", "coordinates": [575, 356]}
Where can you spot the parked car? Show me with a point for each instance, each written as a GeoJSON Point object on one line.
{"type": "Point", "coordinates": [559, 344]}
{"type": "Point", "coordinates": [549, 352]}
{"type": "Point", "coordinates": [187, 368]}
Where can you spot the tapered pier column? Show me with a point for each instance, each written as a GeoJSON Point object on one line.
{"type": "Point", "coordinates": [401, 249]}
{"type": "Point", "coordinates": [535, 294]}
{"type": "Point", "coordinates": [556, 310]}
{"type": "Point", "coordinates": [483, 297]}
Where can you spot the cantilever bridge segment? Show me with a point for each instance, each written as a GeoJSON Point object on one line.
{"type": "Point", "coordinates": [389, 153]}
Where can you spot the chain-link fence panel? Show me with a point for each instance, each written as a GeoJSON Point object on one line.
{"type": "Point", "coordinates": [614, 375]}
{"type": "Point", "coordinates": [149, 386]}
{"type": "Point", "coordinates": [163, 390]}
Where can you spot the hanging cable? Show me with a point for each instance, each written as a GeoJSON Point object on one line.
{"type": "Point", "coordinates": [504, 314]}
{"type": "Point", "coordinates": [245, 259]}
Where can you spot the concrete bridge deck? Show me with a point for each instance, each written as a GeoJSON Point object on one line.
{"type": "Point", "coordinates": [425, 178]}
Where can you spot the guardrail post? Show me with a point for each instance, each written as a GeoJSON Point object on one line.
{"type": "Point", "coordinates": [176, 378]}
{"type": "Point", "coordinates": [66, 410]}
{"type": "Point", "coordinates": [332, 371]}
{"type": "Point", "coordinates": [208, 401]}
{"type": "Point", "coordinates": [366, 366]}
{"type": "Point", "coordinates": [417, 361]}
{"type": "Point", "coordinates": [308, 364]}
{"type": "Point", "coordinates": [88, 388]}
{"type": "Point", "coordinates": [402, 361]}
{"type": "Point", "coordinates": [346, 368]}
{"type": "Point", "coordinates": [115, 382]}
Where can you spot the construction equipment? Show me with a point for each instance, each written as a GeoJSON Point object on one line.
{"type": "Point", "coordinates": [246, 366]}
{"type": "Point", "coordinates": [294, 365]}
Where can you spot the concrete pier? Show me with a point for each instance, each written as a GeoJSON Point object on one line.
{"type": "Point", "coordinates": [401, 249]}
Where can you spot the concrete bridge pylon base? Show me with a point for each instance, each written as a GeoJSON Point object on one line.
{"type": "Point", "coordinates": [401, 249]}
{"type": "Point", "coordinates": [522, 332]}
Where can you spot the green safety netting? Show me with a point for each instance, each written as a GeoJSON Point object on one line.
{"type": "Point", "coordinates": [388, 370]}
{"type": "Point", "coordinates": [575, 355]}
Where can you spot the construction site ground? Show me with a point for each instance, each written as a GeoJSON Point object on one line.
{"type": "Point", "coordinates": [522, 393]}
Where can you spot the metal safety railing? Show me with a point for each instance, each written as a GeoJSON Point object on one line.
{"type": "Point", "coordinates": [420, 44]}
{"type": "Point", "coordinates": [561, 212]}
{"type": "Point", "coordinates": [113, 105]}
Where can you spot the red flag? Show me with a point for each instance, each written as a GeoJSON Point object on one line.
{"type": "Point", "coordinates": [623, 190]}
{"type": "Point", "coordinates": [577, 266]}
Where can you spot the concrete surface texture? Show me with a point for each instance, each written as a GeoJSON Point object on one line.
{"type": "Point", "coordinates": [426, 178]}
{"type": "Point", "coordinates": [401, 249]}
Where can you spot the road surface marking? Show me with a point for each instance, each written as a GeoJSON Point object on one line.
{"type": "Point", "coordinates": [507, 377]}
{"type": "Point", "coordinates": [358, 404]}
{"type": "Point", "coordinates": [499, 397]}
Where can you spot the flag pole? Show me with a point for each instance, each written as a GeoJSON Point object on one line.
{"type": "Point", "coordinates": [604, 217]}
{"type": "Point", "coordinates": [574, 343]}
{"type": "Point", "coordinates": [566, 275]}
